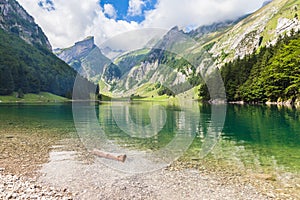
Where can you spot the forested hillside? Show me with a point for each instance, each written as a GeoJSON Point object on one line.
{"type": "Point", "coordinates": [271, 74]}
{"type": "Point", "coordinates": [27, 64]}
{"type": "Point", "coordinates": [27, 69]}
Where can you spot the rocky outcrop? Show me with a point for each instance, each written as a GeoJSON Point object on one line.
{"type": "Point", "coordinates": [243, 38]}
{"type": "Point", "coordinates": [14, 19]}
{"type": "Point", "coordinates": [256, 30]}
{"type": "Point", "coordinates": [147, 72]}
{"type": "Point", "coordinates": [286, 25]}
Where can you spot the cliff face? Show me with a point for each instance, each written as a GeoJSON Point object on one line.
{"type": "Point", "coordinates": [14, 19]}
{"type": "Point", "coordinates": [86, 58]}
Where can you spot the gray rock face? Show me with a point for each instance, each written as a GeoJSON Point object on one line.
{"type": "Point", "coordinates": [80, 49]}
{"type": "Point", "coordinates": [86, 58]}
{"type": "Point", "coordinates": [14, 19]}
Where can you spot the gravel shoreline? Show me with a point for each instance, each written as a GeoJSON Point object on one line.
{"type": "Point", "coordinates": [163, 184]}
{"type": "Point", "coordinates": [91, 181]}
{"type": "Point", "coordinates": [20, 187]}
{"type": "Point", "coordinates": [38, 175]}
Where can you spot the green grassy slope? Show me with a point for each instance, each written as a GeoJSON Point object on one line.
{"type": "Point", "coordinates": [41, 97]}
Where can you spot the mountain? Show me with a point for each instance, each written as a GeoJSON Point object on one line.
{"type": "Point", "coordinates": [86, 58]}
{"type": "Point", "coordinates": [181, 58]}
{"type": "Point", "coordinates": [261, 28]}
{"type": "Point", "coordinates": [16, 20]}
{"type": "Point", "coordinates": [27, 64]}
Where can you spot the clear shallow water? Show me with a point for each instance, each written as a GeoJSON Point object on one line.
{"type": "Point", "coordinates": [252, 135]}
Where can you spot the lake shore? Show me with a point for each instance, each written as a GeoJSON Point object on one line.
{"type": "Point", "coordinates": [21, 187]}
{"type": "Point", "coordinates": [67, 177]}
{"type": "Point", "coordinates": [163, 184]}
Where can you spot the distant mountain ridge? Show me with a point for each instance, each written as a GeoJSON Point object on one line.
{"type": "Point", "coordinates": [217, 26]}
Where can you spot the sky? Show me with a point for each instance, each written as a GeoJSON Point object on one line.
{"type": "Point", "coordinates": [68, 21]}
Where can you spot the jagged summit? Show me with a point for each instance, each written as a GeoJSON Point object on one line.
{"type": "Point", "coordinates": [87, 42]}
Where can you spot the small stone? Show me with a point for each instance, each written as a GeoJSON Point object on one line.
{"type": "Point", "coordinates": [15, 195]}
{"type": "Point", "coordinates": [271, 195]}
{"type": "Point", "coordinates": [34, 196]}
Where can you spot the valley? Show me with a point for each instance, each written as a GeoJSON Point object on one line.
{"type": "Point", "coordinates": [204, 110]}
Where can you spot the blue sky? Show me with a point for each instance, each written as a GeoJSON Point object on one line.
{"type": "Point", "coordinates": [122, 7]}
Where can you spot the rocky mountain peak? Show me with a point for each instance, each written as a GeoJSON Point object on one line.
{"type": "Point", "coordinates": [14, 19]}
{"type": "Point", "coordinates": [86, 44]}
{"type": "Point", "coordinates": [80, 49]}
{"type": "Point", "coordinates": [86, 58]}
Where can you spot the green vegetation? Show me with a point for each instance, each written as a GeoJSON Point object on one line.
{"type": "Point", "coordinates": [112, 72]}
{"type": "Point", "coordinates": [277, 73]}
{"type": "Point", "coordinates": [28, 69]}
{"type": "Point", "coordinates": [165, 91]}
{"type": "Point", "coordinates": [41, 97]}
{"type": "Point", "coordinates": [24, 67]}
{"type": "Point", "coordinates": [124, 64]}
{"type": "Point", "coordinates": [273, 74]}
{"type": "Point", "coordinates": [209, 46]}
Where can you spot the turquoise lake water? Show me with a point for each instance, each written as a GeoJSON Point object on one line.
{"type": "Point", "coordinates": [264, 136]}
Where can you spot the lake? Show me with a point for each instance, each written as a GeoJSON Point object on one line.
{"type": "Point", "coordinates": [154, 134]}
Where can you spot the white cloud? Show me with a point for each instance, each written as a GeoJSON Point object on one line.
{"type": "Point", "coordinates": [66, 24]}
{"type": "Point", "coordinates": [135, 7]}
{"type": "Point", "coordinates": [190, 13]}
{"type": "Point", "coordinates": [110, 11]}
{"type": "Point", "coordinates": [73, 20]}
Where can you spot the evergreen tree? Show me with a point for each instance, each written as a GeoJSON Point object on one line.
{"type": "Point", "coordinates": [6, 81]}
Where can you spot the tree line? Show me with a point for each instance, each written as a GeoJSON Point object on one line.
{"type": "Point", "coordinates": [270, 74]}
